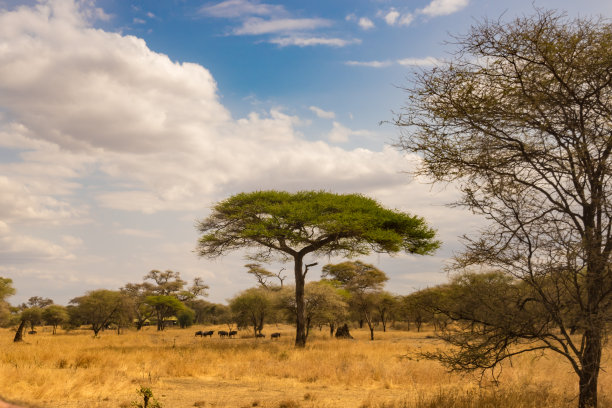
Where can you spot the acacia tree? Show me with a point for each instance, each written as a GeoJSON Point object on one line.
{"type": "Point", "coordinates": [316, 223]}
{"type": "Point", "coordinates": [164, 306]}
{"type": "Point", "coordinates": [364, 282]}
{"type": "Point", "coordinates": [40, 302]}
{"type": "Point", "coordinates": [165, 298]}
{"type": "Point", "coordinates": [414, 307]}
{"type": "Point", "coordinates": [98, 307]}
{"type": "Point", "coordinates": [137, 293]}
{"type": "Point", "coordinates": [521, 119]}
{"type": "Point", "coordinates": [252, 307]}
{"type": "Point", "coordinates": [55, 315]}
{"type": "Point", "coordinates": [167, 283]}
{"type": "Point", "coordinates": [386, 306]}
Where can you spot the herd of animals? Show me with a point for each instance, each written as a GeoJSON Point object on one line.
{"type": "Point", "coordinates": [231, 334]}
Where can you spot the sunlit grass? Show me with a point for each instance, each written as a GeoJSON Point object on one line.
{"type": "Point", "coordinates": [75, 369]}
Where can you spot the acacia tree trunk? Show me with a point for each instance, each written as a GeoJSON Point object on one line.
{"type": "Point", "coordinates": [300, 332]}
{"type": "Point", "coordinates": [160, 321]}
{"type": "Point", "coordinates": [260, 324]}
{"type": "Point", "coordinates": [19, 334]}
{"type": "Point", "coordinates": [370, 326]}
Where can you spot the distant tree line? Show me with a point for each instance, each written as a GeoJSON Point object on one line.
{"type": "Point", "coordinates": [349, 292]}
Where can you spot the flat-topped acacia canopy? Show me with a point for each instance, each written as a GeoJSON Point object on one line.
{"type": "Point", "coordinates": [292, 225]}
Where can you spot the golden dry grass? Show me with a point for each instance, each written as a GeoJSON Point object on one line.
{"type": "Point", "coordinates": [76, 370]}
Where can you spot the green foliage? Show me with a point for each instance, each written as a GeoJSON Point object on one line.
{"type": "Point", "coordinates": [494, 317]}
{"type": "Point", "coordinates": [148, 400]}
{"type": "Point", "coordinates": [387, 305]}
{"type": "Point", "coordinates": [185, 317]}
{"type": "Point", "coordinates": [170, 302]}
{"type": "Point", "coordinates": [6, 288]}
{"type": "Point", "coordinates": [98, 308]}
{"type": "Point", "coordinates": [33, 316]}
{"type": "Point", "coordinates": [207, 312]}
{"type": "Point", "coordinates": [324, 304]}
{"type": "Point", "coordinates": [137, 294]}
{"type": "Point", "coordinates": [356, 276]}
{"type": "Point", "coordinates": [165, 306]}
{"type": "Point", "coordinates": [55, 315]}
{"type": "Point", "coordinates": [325, 223]}
{"type": "Point", "coordinates": [164, 298]}
{"type": "Point", "coordinates": [364, 283]}
{"type": "Point", "coordinates": [252, 307]}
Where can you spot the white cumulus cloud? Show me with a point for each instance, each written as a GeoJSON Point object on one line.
{"type": "Point", "coordinates": [365, 23]}
{"type": "Point", "coordinates": [443, 7]}
{"type": "Point", "coordinates": [391, 17]}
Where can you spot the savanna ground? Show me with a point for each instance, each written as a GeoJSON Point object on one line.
{"type": "Point", "coordinates": [76, 370]}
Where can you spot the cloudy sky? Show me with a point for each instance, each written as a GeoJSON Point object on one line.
{"type": "Point", "coordinates": [123, 121]}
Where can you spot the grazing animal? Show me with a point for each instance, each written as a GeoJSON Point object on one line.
{"type": "Point", "coordinates": [275, 336]}
{"type": "Point", "coordinates": [208, 333]}
{"type": "Point", "coordinates": [199, 333]}
{"type": "Point", "coordinates": [260, 336]}
{"type": "Point", "coordinates": [233, 333]}
{"type": "Point", "coordinates": [32, 332]}
{"type": "Point", "coordinates": [223, 333]}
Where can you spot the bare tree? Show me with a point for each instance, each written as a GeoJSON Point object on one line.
{"type": "Point", "coordinates": [521, 120]}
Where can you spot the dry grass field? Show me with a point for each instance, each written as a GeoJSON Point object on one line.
{"type": "Point", "coordinates": [77, 370]}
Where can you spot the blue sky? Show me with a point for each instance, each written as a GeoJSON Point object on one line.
{"type": "Point", "coordinates": [122, 122]}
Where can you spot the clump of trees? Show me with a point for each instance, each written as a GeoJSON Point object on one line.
{"type": "Point", "coordinates": [364, 283]}
{"type": "Point", "coordinates": [324, 304]}
{"type": "Point", "coordinates": [163, 295]}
